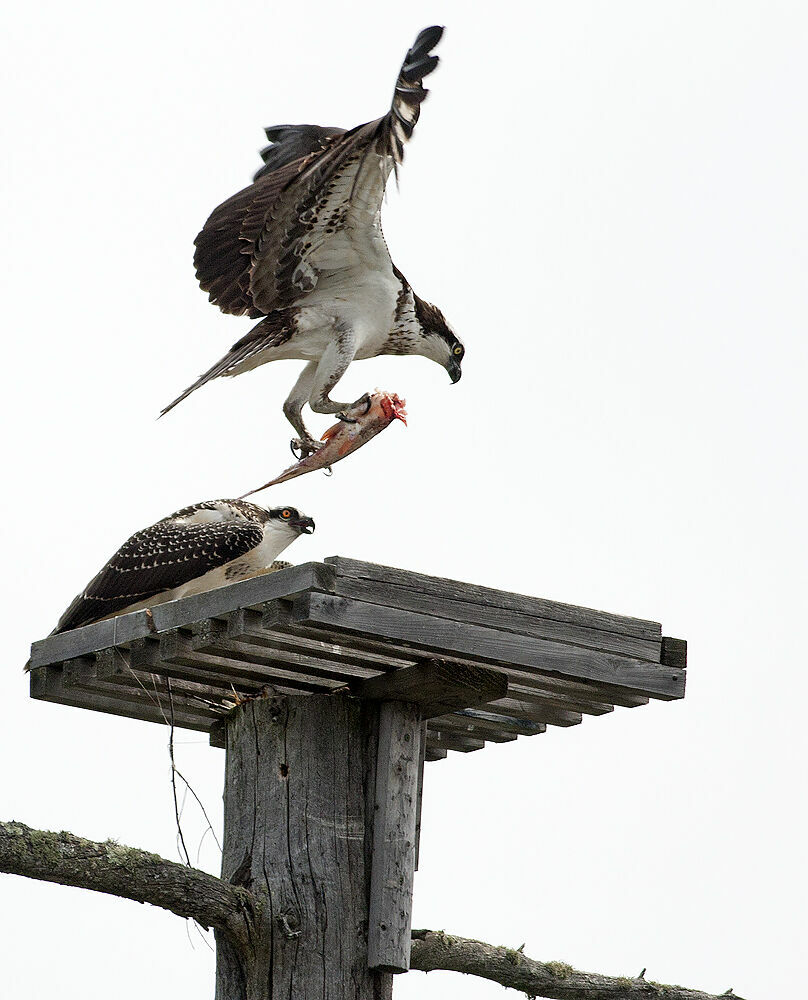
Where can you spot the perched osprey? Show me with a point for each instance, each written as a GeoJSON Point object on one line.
{"type": "Point", "coordinates": [198, 548]}
{"type": "Point", "coordinates": [303, 247]}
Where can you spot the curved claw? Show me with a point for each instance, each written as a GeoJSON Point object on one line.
{"type": "Point", "coordinates": [354, 420]}
{"type": "Point", "coordinates": [302, 447]}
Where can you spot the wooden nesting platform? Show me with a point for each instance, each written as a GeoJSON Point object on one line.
{"type": "Point", "coordinates": [322, 626]}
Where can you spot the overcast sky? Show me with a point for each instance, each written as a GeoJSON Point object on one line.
{"type": "Point", "coordinates": [608, 201]}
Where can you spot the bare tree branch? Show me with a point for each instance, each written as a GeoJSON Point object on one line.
{"type": "Point", "coordinates": [127, 872]}
{"type": "Point", "coordinates": [148, 878]}
{"type": "Point", "coordinates": [434, 950]}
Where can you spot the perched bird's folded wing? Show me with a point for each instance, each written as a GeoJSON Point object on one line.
{"type": "Point", "coordinates": [267, 245]}
{"type": "Point", "coordinates": [166, 555]}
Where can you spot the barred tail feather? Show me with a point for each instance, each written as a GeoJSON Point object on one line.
{"type": "Point", "coordinates": [234, 357]}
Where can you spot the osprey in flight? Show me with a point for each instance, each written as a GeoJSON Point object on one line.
{"type": "Point", "coordinates": [303, 248]}
{"type": "Point", "coordinates": [198, 548]}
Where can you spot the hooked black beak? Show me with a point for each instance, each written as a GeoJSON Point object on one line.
{"type": "Point", "coordinates": [455, 372]}
{"type": "Point", "coordinates": [305, 525]}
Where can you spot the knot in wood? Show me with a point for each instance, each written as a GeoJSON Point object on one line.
{"type": "Point", "coordinates": [289, 923]}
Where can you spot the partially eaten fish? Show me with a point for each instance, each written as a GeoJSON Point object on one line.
{"type": "Point", "coordinates": [347, 436]}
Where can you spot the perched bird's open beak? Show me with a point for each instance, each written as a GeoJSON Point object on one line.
{"type": "Point", "coordinates": [305, 525]}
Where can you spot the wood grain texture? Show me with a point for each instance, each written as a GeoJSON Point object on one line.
{"type": "Point", "coordinates": [674, 652]}
{"type": "Point", "coordinates": [394, 821]}
{"type": "Point", "coordinates": [435, 635]}
{"type": "Point", "coordinates": [123, 629]}
{"type": "Point", "coordinates": [298, 795]}
{"type": "Point", "coordinates": [321, 627]}
{"type": "Point", "coordinates": [449, 605]}
{"type": "Point", "coordinates": [436, 686]}
{"type": "Point", "coordinates": [441, 587]}
{"type": "Point", "coordinates": [47, 684]}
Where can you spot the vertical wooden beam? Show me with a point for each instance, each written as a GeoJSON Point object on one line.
{"type": "Point", "coordinates": [421, 762]}
{"type": "Point", "coordinates": [395, 809]}
{"type": "Point", "coordinates": [297, 833]}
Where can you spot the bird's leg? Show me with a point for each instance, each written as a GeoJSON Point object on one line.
{"type": "Point", "coordinates": [304, 444]}
{"type": "Point", "coordinates": [330, 369]}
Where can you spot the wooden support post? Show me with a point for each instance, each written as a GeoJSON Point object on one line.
{"type": "Point", "coordinates": [395, 813]}
{"type": "Point", "coordinates": [297, 833]}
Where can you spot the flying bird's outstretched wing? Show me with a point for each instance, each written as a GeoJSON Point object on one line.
{"type": "Point", "coordinates": [268, 244]}
{"type": "Point", "coordinates": [167, 555]}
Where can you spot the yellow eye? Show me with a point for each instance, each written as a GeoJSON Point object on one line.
{"type": "Point", "coordinates": [286, 514]}
{"type": "Point", "coordinates": [458, 350]}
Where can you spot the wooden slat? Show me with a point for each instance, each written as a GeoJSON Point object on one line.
{"type": "Point", "coordinates": [268, 628]}
{"type": "Point", "coordinates": [137, 625]}
{"type": "Point", "coordinates": [394, 820]}
{"type": "Point", "coordinates": [491, 616]}
{"type": "Point", "coordinates": [143, 657]}
{"type": "Point", "coordinates": [177, 647]}
{"type": "Point", "coordinates": [247, 593]}
{"type": "Point", "coordinates": [189, 699]}
{"type": "Point", "coordinates": [435, 686]}
{"type": "Point", "coordinates": [441, 587]}
{"type": "Point", "coordinates": [214, 637]}
{"type": "Point", "coordinates": [674, 652]}
{"type": "Point", "coordinates": [487, 645]}
{"type": "Point", "coordinates": [446, 740]}
{"type": "Point", "coordinates": [420, 801]}
{"type": "Point", "coordinates": [283, 621]}
{"type": "Point", "coordinates": [94, 673]}
{"type": "Point", "coordinates": [486, 720]}
{"type": "Point", "coordinates": [47, 684]}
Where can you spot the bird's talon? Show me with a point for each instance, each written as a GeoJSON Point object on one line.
{"type": "Point", "coordinates": [303, 447]}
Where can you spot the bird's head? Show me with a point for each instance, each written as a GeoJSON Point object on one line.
{"type": "Point", "coordinates": [291, 521]}
{"type": "Point", "coordinates": [438, 340]}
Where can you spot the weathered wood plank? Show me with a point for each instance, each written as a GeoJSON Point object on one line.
{"type": "Point", "coordinates": [143, 659]}
{"type": "Point", "coordinates": [489, 615]}
{"type": "Point", "coordinates": [89, 639]}
{"type": "Point", "coordinates": [489, 720]}
{"type": "Point", "coordinates": [247, 593]}
{"type": "Point", "coordinates": [585, 689]}
{"type": "Point", "coordinates": [435, 686]}
{"type": "Point", "coordinates": [393, 864]}
{"type": "Point", "coordinates": [47, 684]}
{"type": "Point", "coordinates": [123, 629]}
{"type": "Point", "coordinates": [177, 647]}
{"type": "Point", "coordinates": [674, 652]}
{"type": "Point", "coordinates": [419, 803]}
{"type": "Point", "coordinates": [457, 724]}
{"type": "Point", "coordinates": [488, 645]}
{"type": "Point", "coordinates": [442, 587]}
{"type": "Point", "coordinates": [132, 685]}
{"type": "Point", "coordinates": [564, 699]}
{"type": "Point", "coordinates": [445, 740]}
{"type": "Point", "coordinates": [298, 815]}
{"type": "Point", "coordinates": [533, 711]}
{"type": "Point", "coordinates": [214, 637]}
{"type": "Point", "coordinates": [435, 753]}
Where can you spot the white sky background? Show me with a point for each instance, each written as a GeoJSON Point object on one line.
{"type": "Point", "coordinates": [609, 203]}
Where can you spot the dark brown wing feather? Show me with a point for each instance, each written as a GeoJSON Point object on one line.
{"type": "Point", "coordinates": [155, 560]}
{"type": "Point", "coordinates": [257, 251]}
{"type": "Point", "coordinates": [224, 247]}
